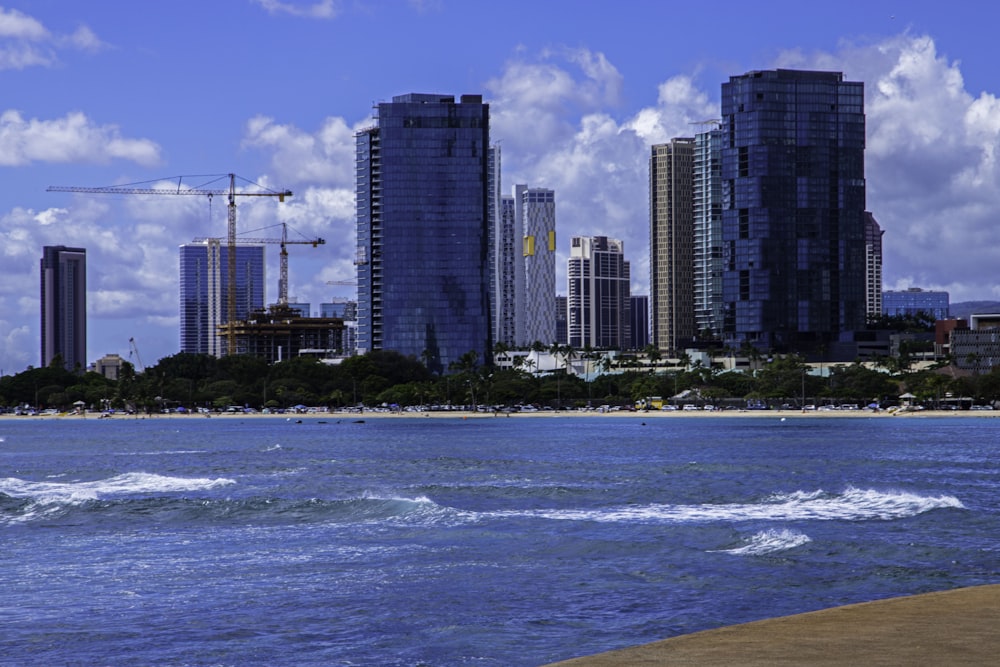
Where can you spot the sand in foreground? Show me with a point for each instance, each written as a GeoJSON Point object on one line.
{"type": "Point", "coordinates": [957, 627]}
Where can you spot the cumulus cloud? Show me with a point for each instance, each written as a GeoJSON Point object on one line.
{"type": "Point", "coordinates": [932, 155]}
{"type": "Point", "coordinates": [535, 103]}
{"type": "Point", "coordinates": [326, 156]}
{"type": "Point", "coordinates": [72, 138]}
{"type": "Point", "coordinates": [931, 164]}
{"type": "Point", "coordinates": [325, 9]}
{"type": "Point", "coordinates": [17, 25]}
{"type": "Point", "coordinates": [555, 117]}
{"type": "Point", "coordinates": [25, 42]}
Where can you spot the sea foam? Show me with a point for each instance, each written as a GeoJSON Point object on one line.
{"type": "Point", "coordinates": [125, 484]}
{"type": "Point", "coordinates": [768, 542]}
{"type": "Point", "coordinates": [851, 505]}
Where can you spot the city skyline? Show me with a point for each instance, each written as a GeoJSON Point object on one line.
{"type": "Point", "coordinates": [99, 95]}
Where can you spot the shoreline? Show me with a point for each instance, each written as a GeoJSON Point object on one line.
{"type": "Point", "coordinates": [544, 414]}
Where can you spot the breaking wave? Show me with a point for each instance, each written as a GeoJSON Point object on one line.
{"type": "Point", "coordinates": [148, 498]}
{"type": "Point", "coordinates": [120, 485]}
{"type": "Point", "coordinates": [768, 542]}
{"type": "Point", "coordinates": [851, 505]}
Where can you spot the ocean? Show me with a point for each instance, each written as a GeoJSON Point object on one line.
{"type": "Point", "coordinates": [415, 541]}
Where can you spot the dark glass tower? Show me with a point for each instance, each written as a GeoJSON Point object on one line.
{"type": "Point", "coordinates": [423, 229]}
{"type": "Point", "coordinates": [64, 306]}
{"type": "Point", "coordinates": [793, 218]}
{"type": "Point", "coordinates": [204, 285]}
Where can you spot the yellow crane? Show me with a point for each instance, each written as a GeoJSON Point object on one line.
{"type": "Point", "coordinates": [283, 267]}
{"type": "Point", "coordinates": [204, 189]}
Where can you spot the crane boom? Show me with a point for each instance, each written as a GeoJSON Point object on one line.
{"type": "Point", "coordinates": [283, 266]}
{"type": "Point", "coordinates": [231, 194]}
{"type": "Point", "coordinates": [134, 349]}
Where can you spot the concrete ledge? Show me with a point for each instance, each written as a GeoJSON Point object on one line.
{"type": "Point", "coordinates": [957, 627]}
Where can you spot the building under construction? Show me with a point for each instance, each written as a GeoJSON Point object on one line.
{"type": "Point", "coordinates": [280, 333]}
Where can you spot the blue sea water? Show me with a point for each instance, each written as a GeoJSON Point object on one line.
{"type": "Point", "coordinates": [488, 541]}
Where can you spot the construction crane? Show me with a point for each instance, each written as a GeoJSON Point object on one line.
{"type": "Point", "coordinates": [143, 188]}
{"type": "Point", "coordinates": [283, 269]}
{"type": "Point", "coordinates": [133, 349]}
{"type": "Point", "coordinates": [345, 283]}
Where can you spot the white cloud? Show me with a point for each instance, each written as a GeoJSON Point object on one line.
{"type": "Point", "coordinates": [325, 9]}
{"type": "Point", "coordinates": [84, 39]}
{"type": "Point", "coordinates": [16, 25]}
{"type": "Point", "coordinates": [297, 156]}
{"type": "Point", "coordinates": [932, 157]}
{"type": "Point", "coordinates": [73, 138]}
{"type": "Point", "coordinates": [931, 165]}
{"type": "Point", "coordinates": [555, 119]}
{"type": "Point", "coordinates": [536, 104]}
{"type": "Point", "coordinates": [17, 341]}
{"type": "Point", "coordinates": [25, 42]}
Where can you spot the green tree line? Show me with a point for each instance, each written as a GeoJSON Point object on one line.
{"type": "Point", "coordinates": [385, 377]}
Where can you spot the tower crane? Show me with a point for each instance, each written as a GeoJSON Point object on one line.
{"type": "Point", "coordinates": [283, 267]}
{"type": "Point", "coordinates": [133, 349]}
{"type": "Point", "coordinates": [345, 283]}
{"type": "Point", "coordinates": [143, 188]}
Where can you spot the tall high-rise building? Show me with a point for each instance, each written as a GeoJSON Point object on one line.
{"type": "Point", "coordinates": [671, 242]}
{"type": "Point", "coordinates": [64, 306]}
{"type": "Point", "coordinates": [793, 215]}
{"type": "Point", "coordinates": [873, 266]}
{"type": "Point", "coordinates": [562, 334]}
{"type": "Point", "coordinates": [639, 328]}
{"type": "Point", "coordinates": [598, 303]}
{"type": "Point", "coordinates": [535, 210]}
{"type": "Point", "coordinates": [423, 229]}
{"type": "Point", "coordinates": [498, 254]}
{"type": "Point", "coordinates": [707, 209]}
{"type": "Point", "coordinates": [508, 263]}
{"type": "Point", "coordinates": [204, 284]}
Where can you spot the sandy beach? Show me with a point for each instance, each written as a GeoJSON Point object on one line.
{"type": "Point", "coordinates": [548, 414]}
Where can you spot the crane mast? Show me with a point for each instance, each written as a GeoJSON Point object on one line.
{"type": "Point", "coordinates": [283, 265]}
{"type": "Point", "coordinates": [231, 194]}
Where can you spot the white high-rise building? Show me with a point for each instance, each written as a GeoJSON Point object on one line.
{"type": "Point", "coordinates": [708, 246]}
{"type": "Point", "coordinates": [599, 294]}
{"type": "Point", "coordinates": [535, 212]}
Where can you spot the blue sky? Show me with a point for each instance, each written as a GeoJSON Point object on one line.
{"type": "Point", "coordinates": [118, 91]}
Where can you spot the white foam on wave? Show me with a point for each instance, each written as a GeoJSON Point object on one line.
{"type": "Point", "coordinates": [851, 505]}
{"type": "Point", "coordinates": [125, 484]}
{"type": "Point", "coordinates": [769, 542]}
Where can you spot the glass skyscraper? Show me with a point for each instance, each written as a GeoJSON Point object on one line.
{"type": "Point", "coordinates": [707, 210]}
{"type": "Point", "coordinates": [599, 303]}
{"type": "Point", "coordinates": [508, 263]}
{"type": "Point", "coordinates": [793, 209]}
{"type": "Point", "coordinates": [64, 306]}
{"type": "Point", "coordinates": [873, 266]}
{"type": "Point", "coordinates": [424, 229]}
{"type": "Point", "coordinates": [203, 289]}
{"type": "Point", "coordinates": [671, 242]}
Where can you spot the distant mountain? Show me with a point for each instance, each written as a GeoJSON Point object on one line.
{"type": "Point", "coordinates": [963, 309]}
